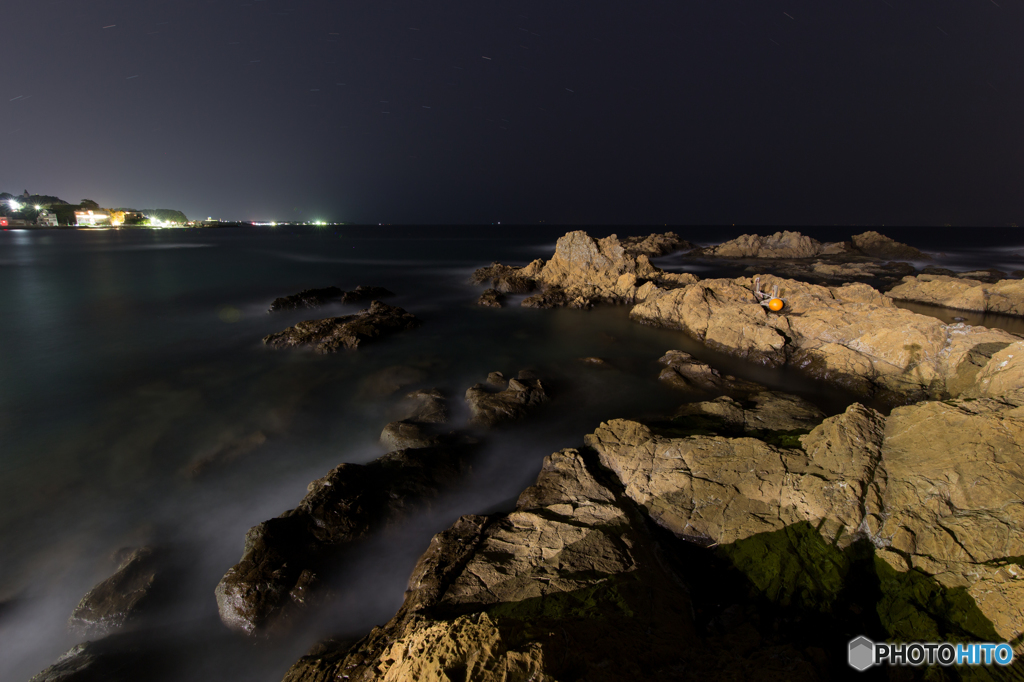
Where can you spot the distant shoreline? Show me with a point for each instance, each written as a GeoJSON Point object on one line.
{"type": "Point", "coordinates": [125, 227]}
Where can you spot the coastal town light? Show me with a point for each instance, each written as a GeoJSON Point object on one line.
{"type": "Point", "coordinates": [15, 206]}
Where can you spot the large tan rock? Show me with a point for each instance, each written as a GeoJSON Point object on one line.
{"type": "Point", "coordinates": [1005, 296]}
{"type": "Point", "coordinates": [852, 335]}
{"type": "Point", "coordinates": [584, 271]}
{"type": "Point", "coordinates": [937, 488]}
{"type": "Point", "coordinates": [586, 265]}
{"type": "Point", "coordinates": [954, 502]}
{"type": "Point", "coordinates": [604, 270]}
{"type": "Point", "coordinates": [714, 490]}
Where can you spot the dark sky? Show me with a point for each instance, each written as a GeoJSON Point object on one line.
{"type": "Point", "coordinates": [718, 111]}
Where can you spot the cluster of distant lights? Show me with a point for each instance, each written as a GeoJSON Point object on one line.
{"type": "Point", "coordinates": [153, 222]}
{"type": "Point", "coordinates": [156, 222]}
{"type": "Point", "coordinates": [315, 223]}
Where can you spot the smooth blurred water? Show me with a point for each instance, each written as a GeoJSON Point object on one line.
{"type": "Point", "coordinates": [128, 357]}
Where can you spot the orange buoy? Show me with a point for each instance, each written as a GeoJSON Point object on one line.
{"type": "Point", "coordinates": [775, 305]}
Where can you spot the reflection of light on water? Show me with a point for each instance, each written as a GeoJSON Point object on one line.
{"type": "Point", "coordinates": [229, 314]}
{"type": "Point", "coordinates": [181, 387]}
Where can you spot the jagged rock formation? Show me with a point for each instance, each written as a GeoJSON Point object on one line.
{"type": "Point", "coordinates": [852, 335]}
{"type": "Point", "coordinates": [568, 586]}
{"type": "Point", "coordinates": [314, 298]}
{"type": "Point", "coordinates": [115, 601]}
{"type": "Point", "coordinates": [937, 489]}
{"type": "Point", "coordinates": [350, 331]}
{"type": "Point", "coordinates": [490, 408]}
{"type": "Point", "coordinates": [584, 271]}
{"type": "Point", "coordinates": [602, 270]}
{"type": "Point", "coordinates": [1005, 296]}
{"type": "Point", "coordinates": [285, 559]}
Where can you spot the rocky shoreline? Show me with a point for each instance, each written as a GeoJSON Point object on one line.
{"type": "Point", "coordinates": [748, 535]}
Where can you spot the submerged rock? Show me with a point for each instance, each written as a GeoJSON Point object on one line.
{"type": "Point", "coordinates": [425, 406]}
{"type": "Point", "coordinates": [390, 380]}
{"type": "Point", "coordinates": [112, 603]}
{"type": "Point", "coordinates": [852, 335]}
{"type": "Point", "coordinates": [307, 298]}
{"type": "Point", "coordinates": [362, 294]}
{"type": "Point", "coordinates": [1005, 296]}
{"type": "Point", "coordinates": [231, 449]}
{"type": "Point", "coordinates": [350, 331]}
{"type": "Point", "coordinates": [314, 298]}
{"type": "Point", "coordinates": [111, 659]}
{"type": "Point", "coordinates": [685, 372]}
{"type": "Point", "coordinates": [761, 413]}
{"type": "Point", "coordinates": [489, 408]}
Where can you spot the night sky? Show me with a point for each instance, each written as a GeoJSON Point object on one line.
{"type": "Point", "coordinates": [700, 112]}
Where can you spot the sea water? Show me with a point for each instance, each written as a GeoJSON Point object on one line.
{"type": "Point", "coordinates": [138, 406]}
